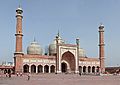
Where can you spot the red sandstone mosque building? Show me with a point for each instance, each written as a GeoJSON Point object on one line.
{"type": "Point", "coordinates": [61, 58]}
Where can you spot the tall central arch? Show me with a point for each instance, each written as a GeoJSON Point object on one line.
{"type": "Point", "coordinates": [68, 62]}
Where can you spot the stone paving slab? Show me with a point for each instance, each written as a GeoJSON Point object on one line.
{"type": "Point", "coordinates": [60, 79]}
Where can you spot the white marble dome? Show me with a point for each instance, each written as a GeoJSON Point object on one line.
{"type": "Point", "coordinates": [82, 52]}
{"type": "Point", "coordinates": [34, 48]}
{"type": "Point", "coordinates": [52, 47]}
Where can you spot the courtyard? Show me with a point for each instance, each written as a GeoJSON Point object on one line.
{"type": "Point", "coordinates": [60, 79]}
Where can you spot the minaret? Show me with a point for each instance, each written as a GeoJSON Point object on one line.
{"type": "Point", "coordinates": [101, 48]}
{"type": "Point", "coordinates": [18, 49]}
{"type": "Point", "coordinates": [19, 34]}
{"type": "Point", "coordinates": [78, 45]}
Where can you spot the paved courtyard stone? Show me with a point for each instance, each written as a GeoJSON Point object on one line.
{"type": "Point", "coordinates": [60, 79]}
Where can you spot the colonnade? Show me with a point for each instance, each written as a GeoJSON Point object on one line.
{"type": "Point", "coordinates": [39, 69]}
{"type": "Point", "coordinates": [89, 69]}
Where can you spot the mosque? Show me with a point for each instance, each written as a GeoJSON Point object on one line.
{"type": "Point", "coordinates": [61, 58]}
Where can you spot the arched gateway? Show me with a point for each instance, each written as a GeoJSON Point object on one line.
{"type": "Point", "coordinates": [67, 58]}
{"type": "Point", "coordinates": [68, 62]}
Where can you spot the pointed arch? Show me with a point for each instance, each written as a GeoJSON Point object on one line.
{"type": "Point", "coordinates": [69, 58]}
{"type": "Point", "coordinates": [26, 68]}
{"type": "Point", "coordinates": [89, 69]}
{"type": "Point", "coordinates": [97, 70]}
{"type": "Point", "coordinates": [52, 69]}
{"type": "Point", "coordinates": [80, 69]}
{"type": "Point", "coordinates": [93, 69]}
{"type": "Point", "coordinates": [33, 69]}
{"type": "Point", "coordinates": [46, 68]}
{"type": "Point", "coordinates": [84, 69]}
{"type": "Point", "coordinates": [40, 68]}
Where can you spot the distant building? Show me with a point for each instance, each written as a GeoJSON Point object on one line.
{"type": "Point", "coordinates": [112, 70]}
{"type": "Point", "coordinates": [7, 67]}
{"type": "Point", "coordinates": [4, 63]}
{"type": "Point", "coordinates": [61, 57]}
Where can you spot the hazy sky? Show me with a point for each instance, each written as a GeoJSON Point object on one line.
{"type": "Point", "coordinates": [73, 18]}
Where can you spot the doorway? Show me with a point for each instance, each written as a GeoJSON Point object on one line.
{"type": "Point", "coordinates": [64, 67]}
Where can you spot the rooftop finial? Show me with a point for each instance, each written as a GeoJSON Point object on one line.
{"type": "Point", "coordinates": [58, 33]}
{"type": "Point", "coordinates": [34, 39]}
{"type": "Point", "coordinates": [19, 6]}
{"type": "Point", "coordinates": [20, 1]}
{"type": "Point", "coordinates": [101, 24]}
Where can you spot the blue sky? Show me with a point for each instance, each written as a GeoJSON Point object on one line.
{"type": "Point", "coordinates": [73, 18]}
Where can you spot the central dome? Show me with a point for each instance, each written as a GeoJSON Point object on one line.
{"type": "Point", "coordinates": [52, 47]}
{"type": "Point", "coordinates": [34, 48]}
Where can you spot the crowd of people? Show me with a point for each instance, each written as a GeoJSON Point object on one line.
{"type": "Point", "coordinates": [9, 75]}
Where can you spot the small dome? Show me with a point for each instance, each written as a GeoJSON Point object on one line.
{"type": "Point", "coordinates": [19, 8]}
{"type": "Point", "coordinates": [52, 47]}
{"type": "Point", "coordinates": [81, 52]}
{"type": "Point", "coordinates": [34, 48]}
{"type": "Point", "coordinates": [101, 25]}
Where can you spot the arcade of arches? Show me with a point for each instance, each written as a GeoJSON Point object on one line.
{"type": "Point", "coordinates": [89, 69]}
{"type": "Point", "coordinates": [67, 66]}
{"type": "Point", "coordinates": [64, 69]}
{"type": "Point", "coordinates": [38, 69]}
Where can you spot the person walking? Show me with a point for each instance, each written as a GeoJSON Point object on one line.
{"type": "Point", "coordinates": [21, 74]}
{"type": "Point", "coordinates": [6, 74]}
{"type": "Point", "coordinates": [17, 73]}
{"type": "Point", "coordinates": [28, 76]}
{"type": "Point", "coordinates": [9, 75]}
{"type": "Point", "coordinates": [80, 73]}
